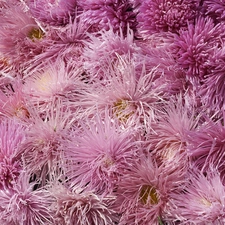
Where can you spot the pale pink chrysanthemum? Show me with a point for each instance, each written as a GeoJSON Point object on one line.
{"type": "Point", "coordinates": [12, 136]}
{"type": "Point", "coordinates": [21, 205]}
{"type": "Point", "coordinates": [58, 80]}
{"type": "Point", "coordinates": [130, 95]}
{"type": "Point", "coordinates": [80, 207]}
{"type": "Point", "coordinates": [168, 137]}
{"type": "Point", "coordinates": [143, 192]}
{"type": "Point", "coordinates": [160, 15]}
{"type": "Point", "coordinates": [102, 50]}
{"type": "Point", "coordinates": [103, 14]}
{"type": "Point", "coordinates": [98, 153]}
{"type": "Point", "coordinates": [202, 201]}
{"type": "Point", "coordinates": [41, 150]}
{"type": "Point", "coordinates": [197, 46]}
{"type": "Point", "coordinates": [20, 35]}
{"type": "Point", "coordinates": [53, 12]}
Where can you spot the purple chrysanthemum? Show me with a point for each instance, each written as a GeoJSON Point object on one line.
{"type": "Point", "coordinates": [53, 12]}
{"type": "Point", "coordinates": [197, 46]}
{"type": "Point", "coordinates": [202, 201]}
{"type": "Point", "coordinates": [98, 153]}
{"type": "Point", "coordinates": [23, 205]}
{"type": "Point", "coordinates": [103, 14]}
{"type": "Point", "coordinates": [160, 15]}
{"type": "Point", "coordinates": [215, 9]}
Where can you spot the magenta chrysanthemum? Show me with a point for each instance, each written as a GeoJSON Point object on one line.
{"type": "Point", "coordinates": [197, 46]}
{"type": "Point", "coordinates": [160, 15]}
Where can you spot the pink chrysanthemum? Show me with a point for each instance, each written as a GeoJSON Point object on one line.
{"type": "Point", "coordinates": [102, 14]}
{"type": "Point", "coordinates": [12, 136]}
{"type": "Point", "coordinates": [80, 207]}
{"type": "Point", "coordinates": [52, 81]}
{"type": "Point", "coordinates": [197, 45]}
{"type": "Point", "coordinates": [160, 15]}
{"type": "Point", "coordinates": [20, 35]}
{"type": "Point", "coordinates": [53, 12]}
{"type": "Point", "coordinates": [202, 201]}
{"type": "Point", "coordinates": [98, 153]}
{"type": "Point", "coordinates": [102, 51]}
{"type": "Point", "coordinates": [130, 95]}
{"type": "Point", "coordinates": [41, 150]}
{"type": "Point", "coordinates": [23, 205]}
{"type": "Point", "coordinates": [168, 135]}
{"type": "Point", "coordinates": [143, 193]}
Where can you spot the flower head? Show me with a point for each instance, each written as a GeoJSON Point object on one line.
{"type": "Point", "coordinates": [20, 35]}
{"type": "Point", "coordinates": [23, 205]}
{"type": "Point", "coordinates": [53, 12]}
{"type": "Point", "coordinates": [144, 190]}
{"type": "Point", "coordinates": [197, 45]}
{"type": "Point", "coordinates": [102, 14]}
{"type": "Point", "coordinates": [203, 200]}
{"type": "Point", "coordinates": [80, 207]}
{"type": "Point", "coordinates": [160, 15]}
{"type": "Point", "coordinates": [98, 153]}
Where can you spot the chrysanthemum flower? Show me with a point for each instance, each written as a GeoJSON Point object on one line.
{"type": "Point", "coordinates": [98, 153]}
{"type": "Point", "coordinates": [53, 12]}
{"type": "Point", "coordinates": [143, 193]}
{"type": "Point", "coordinates": [202, 201]}
{"type": "Point", "coordinates": [168, 135]}
{"type": "Point", "coordinates": [159, 15]}
{"type": "Point", "coordinates": [80, 207]}
{"type": "Point", "coordinates": [41, 151]}
{"type": "Point", "coordinates": [50, 82]}
{"type": "Point", "coordinates": [215, 9]}
{"type": "Point", "coordinates": [12, 136]}
{"type": "Point", "coordinates": [196, 47]}
{"type": "Point", "coordinates": [102, 14]}
{"type": "Point", "coordinates": [20, 35]}
{"type": "Point", "coordinates": [130, 95]}
{"type": "Point", "coordinates": [206, 145]}
{"type": "Point", "coordinates": [23, 205]}
{"type": "Point", "coordinates": [102, 50]}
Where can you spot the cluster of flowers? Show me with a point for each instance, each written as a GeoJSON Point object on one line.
{"type": "Point", "coordinates": [112, 112]}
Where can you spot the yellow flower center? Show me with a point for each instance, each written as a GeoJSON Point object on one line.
{"type": "Point", "coordinates": [122, 109]}
{"type": "Point", "coordinates": [35, 33]}
{"type": "Point", "coordinates": [148, 195]}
